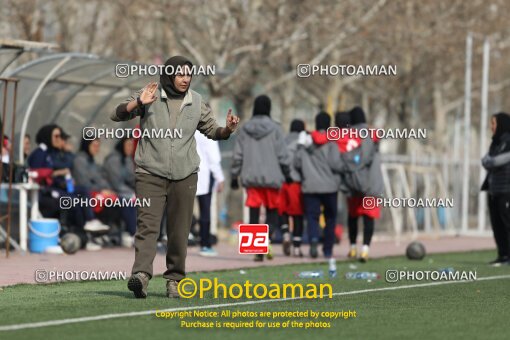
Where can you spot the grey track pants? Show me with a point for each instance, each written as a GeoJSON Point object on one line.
{"type": "Point", "coordinates": [178, 197]}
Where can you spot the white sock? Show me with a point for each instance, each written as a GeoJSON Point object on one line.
{"type": "Point", "coordinates": [353, 246]}
{"type": "Point", "coordinates": [332, 263]}
{"type": "Point", "coordinates": [365, 248]}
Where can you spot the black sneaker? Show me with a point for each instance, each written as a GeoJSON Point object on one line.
{"type": "Point", "coordinates": [499, 261]}
{"type": "Point", "coordinates": [258, 258]}
{"type": "Point", "coordinates": [313, 250]}
{"type": "Point", "coordinates": [138, 284]}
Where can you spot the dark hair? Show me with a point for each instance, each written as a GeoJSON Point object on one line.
{"type": "Point", "coordinates": [502, 124]}
{"type": "Point", "coordinates": [84, 146]}
{"type": "Point", "coordinates": [119, 147]}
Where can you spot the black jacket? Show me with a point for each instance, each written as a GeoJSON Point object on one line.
{"type": "Point", "coordinates": [497, 180]}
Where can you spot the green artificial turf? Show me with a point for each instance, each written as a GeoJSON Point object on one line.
{"type": "Point", "coordinates": [477, 309]}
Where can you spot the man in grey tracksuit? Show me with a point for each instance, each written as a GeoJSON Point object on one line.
{"type": "Point", "coordinates": [319, 165]}
{"type": "Point", "coordinates": [261, 160]}
{"type": "Point", "coordinates": [166, 168]}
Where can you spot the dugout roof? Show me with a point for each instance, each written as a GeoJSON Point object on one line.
{"type": "Point", "coordinates": [73, 90]}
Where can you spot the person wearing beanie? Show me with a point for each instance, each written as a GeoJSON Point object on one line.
{"type": "Point", "coordinates": [375, 189]}
{"type": "Point", "coordinates": [322, 121]}
{"type": "Point", "coordinates": [291, 198]}
{"type": "Point", "coordinates": [166, 168]}
{"type": "Point", "coordinates": [262, 163]}
{"type": "Point", "coordinates": [345, 141]}
{"type": "Point", "coordinates": [357, 116]}
{"type": "Point", "coordinates": [297, 125]}
{"type": "Point", "coordinates": [319, 166]}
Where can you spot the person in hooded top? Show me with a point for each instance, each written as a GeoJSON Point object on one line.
{"type": "Point", "coordinates": [355, 205]}
{"type": "Point", "coordinates": [166, 168]}
{"type": "Point", "coordinates": [347, 142]}
{"type": "Point", "coordinates": [119, 170]}
{"type": "Point", "coordinates": [319, 165]}
{"type": "Point", "coordinates": [291, 198]}
{"type": "Point", "coordinates": [497, 184]}
{"type": "Point", "coordinates": [261, 160]}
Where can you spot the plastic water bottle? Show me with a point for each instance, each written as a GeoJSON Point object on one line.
{"type": "Point", "coordinates": [357, 159]}
{"type": "Point", "coordinates": [311, 274]}
{"type": "Point", "coordinates": [332, 267]}
{"type": "Point", "coordinates": [361, 276]}
{"type": "Point", "coordinates": [447, 270]}
{"type": "Point", "coordinates": [69, 184]}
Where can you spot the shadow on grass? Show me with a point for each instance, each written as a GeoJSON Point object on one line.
{"type": "Point", "coordinates": [129, 295]}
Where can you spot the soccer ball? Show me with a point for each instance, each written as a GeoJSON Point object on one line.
{"type": "Point", "coordinates": [415, 251]}
{"type": "Point", "coordinates": [70, 243]}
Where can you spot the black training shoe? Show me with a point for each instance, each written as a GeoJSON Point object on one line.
{"type": "Point", "coordinates": [258, 258]}
{"type": "Point", "coordinates": [138, 284]}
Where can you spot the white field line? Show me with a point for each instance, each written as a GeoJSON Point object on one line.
{"type": "Point", "coordinates": [243, 303]}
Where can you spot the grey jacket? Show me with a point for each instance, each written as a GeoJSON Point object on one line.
{"type": "Point", "coordinates": [120, 176]}
{"type": "Point", "coordinates": [370, 149]}
{"type": "Point", "coordinates": [291, 141]}
{"type": "Point", "coordinates": [89, 174]}
{"type": "Point", "coordinates": [319, 166]}
{"type": "Point", "coordinates": [260, 155]}
{"type": "Point", "coordinates": [173, 158]}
